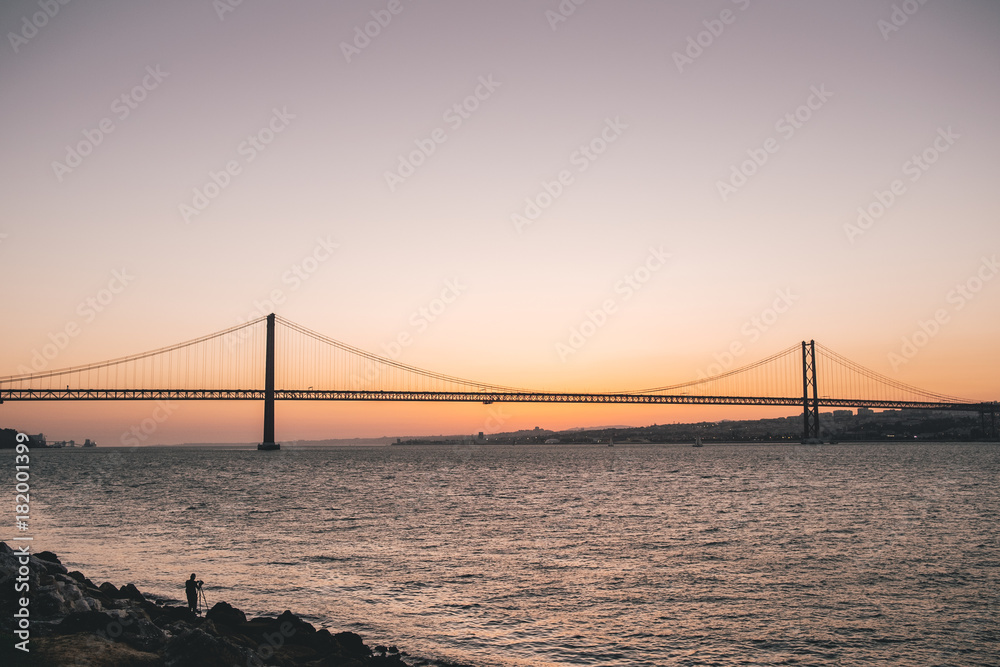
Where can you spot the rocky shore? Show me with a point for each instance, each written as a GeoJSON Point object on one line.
{"type": "Point", "coordinates": [75, 622]}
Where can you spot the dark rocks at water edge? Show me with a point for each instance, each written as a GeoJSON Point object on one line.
{"type": "Point", "coordinates": [75, 622]}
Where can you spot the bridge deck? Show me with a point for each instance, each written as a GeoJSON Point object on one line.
{"type": "Point", "coordinates": [461, 397]}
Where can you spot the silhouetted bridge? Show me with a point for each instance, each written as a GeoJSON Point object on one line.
{"type": "Point", "coordinates": [278, 361]}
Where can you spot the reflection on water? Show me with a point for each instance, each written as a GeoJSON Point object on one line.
{"type": "Point", "coordinates": [646, 555]}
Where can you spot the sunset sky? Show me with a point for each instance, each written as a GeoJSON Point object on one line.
{"type": "Point", "coordinates": [179, 164]}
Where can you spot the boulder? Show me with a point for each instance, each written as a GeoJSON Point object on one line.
{"type": "Point", "coordinates": [351, 644]}
{"type": "Point", "coordinates": [110, 590]}
{"type": "Point", "coordinates": [48, 562]}
{"type": "Point", "coordinates": [130, 592]}
{"type": "Point", "coordinates": [169, 615]}
{"type": "Point", "coordinates": [300, 629]}
{"type": "Point", "coordinates": [197, 648]}
{"type": "Point", "coordinates": [222, 613]}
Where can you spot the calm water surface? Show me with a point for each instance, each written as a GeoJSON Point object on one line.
{"type": "Point", "coordinates": [633, 555]}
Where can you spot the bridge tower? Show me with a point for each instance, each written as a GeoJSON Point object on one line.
{"type": "Point", "coordinates": [810, 403]}
{"type": "Point", "coordinates": [268, 442]}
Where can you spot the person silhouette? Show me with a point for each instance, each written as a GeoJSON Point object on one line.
{"type": "Point", "coordinates": [191, 587]}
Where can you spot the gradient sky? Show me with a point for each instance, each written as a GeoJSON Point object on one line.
{"type": "Point", "coordinates": [892, 84]}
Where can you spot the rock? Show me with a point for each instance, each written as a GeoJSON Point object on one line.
{"type": "Point", "coordinates": [108, 625]}
{"type": "Point", "coordinates": [48, 561]}
{"type": "Point", "coordinates": [48, 604]}
{"type": "Point", "coordinates": [88, 621]}
{"type": "Point", "coordinates": [197, 648]}
{"type": "Point", "coordinates": [145, 636]}
{"type": "Point", "coordinates": [129, 591]}
{"type": "Point", "coordinates": [352, 644]}
{"type": "Point", "coordinates": [300, 628]}
{"type": "Point", "coordinates": [131, 627]}
{"type": "Point", "coordinates": [110, 590]}
{"type": "Point", "coordinates": [225, 614]}
{"type": "Point", "coordinates": [169, 615]}
{"type": "Point", "coordinates": [98, 652]}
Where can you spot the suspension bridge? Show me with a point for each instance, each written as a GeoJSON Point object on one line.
{"type": "Point", "coordinates": [273, 359]}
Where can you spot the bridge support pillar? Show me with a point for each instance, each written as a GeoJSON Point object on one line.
{"type": "Point", "coordinates": [988, 422]}
{"type": "Point", "coordinates": [268, 442]}
{"type": "Point", "coordinates": [810, 394]}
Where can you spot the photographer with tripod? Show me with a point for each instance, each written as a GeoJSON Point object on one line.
{"type": "Point", "coordinates": [193, 588]}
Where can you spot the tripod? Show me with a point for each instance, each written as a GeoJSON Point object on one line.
{"type": "Point", "coordinates": [202, 600]}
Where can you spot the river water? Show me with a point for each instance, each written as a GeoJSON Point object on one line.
{"type": "Point", "coordinates": [561, 555]}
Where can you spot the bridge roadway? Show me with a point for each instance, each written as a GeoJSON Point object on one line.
{"type": "Point", "coordinates": [486, 397]}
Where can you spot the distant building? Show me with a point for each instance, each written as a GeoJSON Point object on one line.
{"type": "Point", "coordinates": [842, 414]}
{"type": "Point", "coordinates": [865, 412]}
